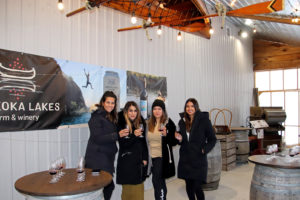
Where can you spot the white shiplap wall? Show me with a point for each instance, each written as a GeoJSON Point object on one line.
{"type": "Point", "coordinates": [218, 72]}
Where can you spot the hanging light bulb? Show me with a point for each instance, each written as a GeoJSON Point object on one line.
{"type": "Point", "coordinates": [179, 37]}
{"type": "Point", "coordinates": [211, 31]}
{"type": "Point", "coordinates": [149, 20]}
{"type": "Point", "coordinates": [133, 18]}
{"type": "Point", "coordinates": [254, 30]}
{"type": "Point", "coordinates": [60, 5]}
{"type": "Point", "coordinates": [248, 22]}
{"type": "Point", "coordinates": [244, 34]}
{"type": "Point", "coordinates": [159, 31]}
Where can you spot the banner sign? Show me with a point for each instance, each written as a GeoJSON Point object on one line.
{"type": "Point", "coordinates": [32, 92]}
{"type": "Point", "coordinates": [43, 93]}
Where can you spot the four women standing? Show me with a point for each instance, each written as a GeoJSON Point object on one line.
{"type": "Point", "coordinates": [195, 136]}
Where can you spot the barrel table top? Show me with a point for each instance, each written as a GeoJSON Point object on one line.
{"type": "Point", "coordinates": [279, 162]}
{"type": "Point", "coordinates": [37, 184]}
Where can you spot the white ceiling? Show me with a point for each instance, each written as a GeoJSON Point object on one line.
{"type": "Point", "coordinates": [279, 32]}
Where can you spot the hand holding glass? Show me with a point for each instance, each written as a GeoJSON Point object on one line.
{"type": "Point", "coordinates": [142, 130]}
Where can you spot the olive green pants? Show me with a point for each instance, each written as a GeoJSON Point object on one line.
{"type": "Point", "coordinates": [133, 192]}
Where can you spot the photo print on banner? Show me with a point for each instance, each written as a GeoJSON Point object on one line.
{"type": "Point", "coordinates": [40, 92]}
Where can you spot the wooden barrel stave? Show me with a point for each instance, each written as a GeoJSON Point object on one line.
{"type": "Point", "coordinates": [214, 160]}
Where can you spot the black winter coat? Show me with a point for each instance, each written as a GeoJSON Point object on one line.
{"type": "Point", "coordinates": [168, 141]}
{"type": "Point", "coordinates": [101, 148]}
{"type": "Point", "coordinates": [132, 152]}
{"type": "Point", "coordinates": [192, 161]}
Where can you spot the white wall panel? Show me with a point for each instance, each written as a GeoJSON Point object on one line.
{"type": "Point", "coordinates": [218, 72]}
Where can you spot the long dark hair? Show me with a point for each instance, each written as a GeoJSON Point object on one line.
{"type": "Point", "coordinates": [112, 116]}
{"type": "Point", "coordinates": [137, 121]}
{"type": "Point", "coordinates": [188, 120]}
{"type": "Point", "coordinates": [152, 120]}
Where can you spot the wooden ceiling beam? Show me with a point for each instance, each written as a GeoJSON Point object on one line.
{"type": "Point", "coordinates": [200, 5]}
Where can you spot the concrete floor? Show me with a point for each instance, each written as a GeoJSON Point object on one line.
{"type": "Point", "coordinates": [234, 185]}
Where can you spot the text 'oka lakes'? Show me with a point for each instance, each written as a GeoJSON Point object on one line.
{"type": "Point", "coordinates": [21, 106]}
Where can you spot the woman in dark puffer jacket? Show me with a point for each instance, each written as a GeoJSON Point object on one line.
{"type": "Point", "coordinates": [196, 138]}
{"type": "Point", "coordinates": [101, 148]}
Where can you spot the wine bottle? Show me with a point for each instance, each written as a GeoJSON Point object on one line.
{"type": "Point", "coordinates": [144, 100]}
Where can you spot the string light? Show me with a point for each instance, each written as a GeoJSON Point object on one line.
{"type": "Point", "coordinates": [211, 31]}
{"type": "Point", "coordinates": [161, 5]}
{"type": "Point", "coordinates": [232, 3]}
{"type": "Point", "coordinates": [133, 18]}
{"type": "Point", "coordinates": [60, 5]}
{"type": "Point", "coordinates": [248, 22]}
{"type": "Point", "coordinates": [149, 20]}
{"type": "Point", "coordinates": [159, 31]}
{"type": "Point", "coordinates": [179, 37]}
{"type": "Point", "coordinates": [244, 34]}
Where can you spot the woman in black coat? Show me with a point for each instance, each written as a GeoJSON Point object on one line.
{"type": "Point", "coordinates": [101, 148]}
{"type": "Point", "coordinates": [133, 152]}
{"type": "Point", "coordinates": [161, 137]}
{"type": "Point", "coordinates": [196, 138]}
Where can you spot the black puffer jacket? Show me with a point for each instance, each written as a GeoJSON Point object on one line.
{"type": "Point", "coordinates": [133, 150]}
{"type": "Point", "coordinates": [192, 162]}
{"type": "Point", "coordinates": [167, 150]}
{"type": "Point", "coordinates": [101, 148]}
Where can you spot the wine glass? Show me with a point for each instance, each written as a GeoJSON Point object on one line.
{"type": "Point", "coordinates": [275, 149]}
{"type": "Point", "coordinates": [80, 170]}
{"type": "Point", "coordinates": [177, 128]}
{"type": "Point", "coordinates": [270, 150]}
{"type": "Point", "coordinates": [61, 163]}
{"type": "Point", "coordinates": [53, 169]}
{"type": "Point", "coordinates": [80, 167]}
{"type": "Point", "coordinates": [127, 127]}
{"type": "Point", "coordinates": [161, 128]}
{"type": "Point", "coordinates": [142, 130]}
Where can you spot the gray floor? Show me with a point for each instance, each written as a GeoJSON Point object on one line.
{"type": "Point", "coordinates": [234, 185]}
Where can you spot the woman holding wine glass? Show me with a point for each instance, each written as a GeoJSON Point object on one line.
{"type": "Point", "coordinates": [133, 152]}
{"type": "Point", "coordinates": [101, 148]}
{"type": "Point", "coordinates": [161, 137]}
{"type": "Point", "coordinates": [197, 138]}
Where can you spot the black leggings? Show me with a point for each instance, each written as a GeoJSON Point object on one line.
{"type": "Point", "coordinates": [159, 183]}
{"type": "Point", "coordinates": [193, 188]}
{"type": "Point", "coordinates": [108, 190]}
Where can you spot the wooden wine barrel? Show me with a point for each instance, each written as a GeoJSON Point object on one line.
{"type": "Point", "coordinates": [214, 159]}
{"type": "Point", "coordinates": [242, 143]}
{"type": "Point", "coordinates": [274, 180]}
